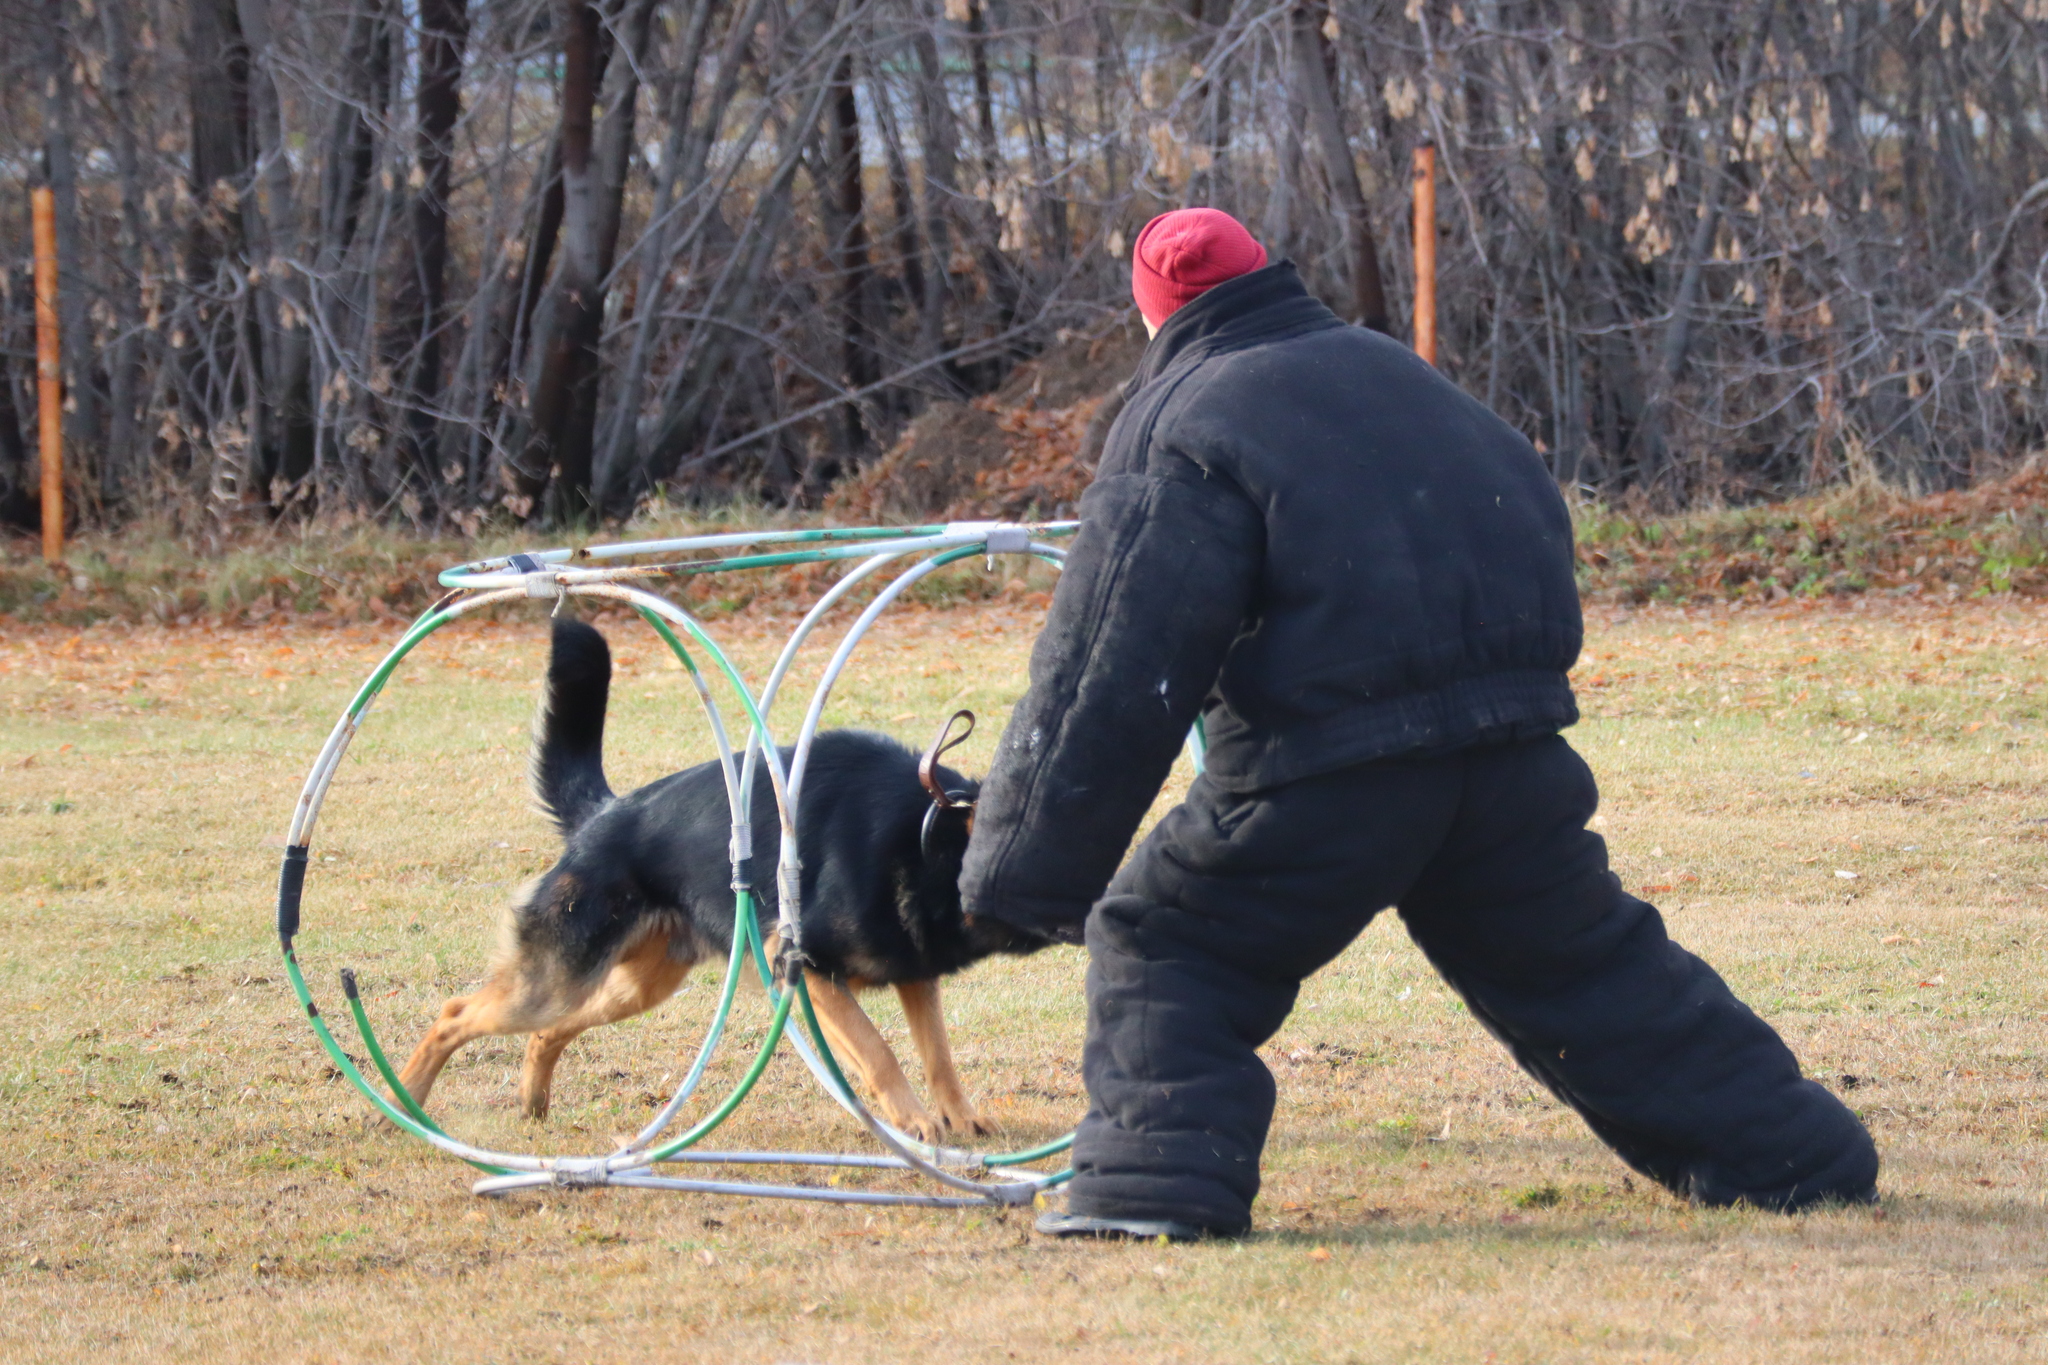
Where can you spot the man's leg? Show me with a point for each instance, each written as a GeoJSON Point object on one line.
{"type": "Point", "coordinates": [1196, 955]}
{"type": "Point", "coordinates": [1520, 913]}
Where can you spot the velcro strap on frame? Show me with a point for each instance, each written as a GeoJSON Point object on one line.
{"type": "Point", "coordinates": [291, 884]}
{"type": "Point", "coordinates": [742, 857]}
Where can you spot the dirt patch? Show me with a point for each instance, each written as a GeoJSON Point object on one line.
{"type": "Point", "coordinates": [1075, 370]}
{"type": "Point", "coordinates": [1027, 450]}
{"type": "Point", "coordinates": [944, 451]}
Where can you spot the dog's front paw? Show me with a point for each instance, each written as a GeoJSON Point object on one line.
{"type": "Point", "coordinates": [961, 1120]}
{"type": "Point", "coordinates": [910, 1118]}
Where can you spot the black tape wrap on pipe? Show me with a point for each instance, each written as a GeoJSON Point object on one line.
{"type": "Point", "coordinates": [291, 884]}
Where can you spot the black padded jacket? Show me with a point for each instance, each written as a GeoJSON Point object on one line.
{"type": "Point", "coordinates": [1307, 535]}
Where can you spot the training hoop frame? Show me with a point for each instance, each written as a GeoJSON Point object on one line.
{"type": "Point", "coordinates": [622, 573]}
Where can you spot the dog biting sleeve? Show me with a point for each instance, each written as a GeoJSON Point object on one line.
{"type": "Point", "coordinates": [1156, 588]}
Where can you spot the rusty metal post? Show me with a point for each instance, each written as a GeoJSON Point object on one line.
{"type": "Point", "coordinates": [49, 374]}
{"type": "Point", "coordinates": [1425, 252]}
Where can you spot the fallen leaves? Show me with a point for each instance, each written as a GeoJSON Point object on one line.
{"type": "Point", "coordinates": [1845, 542]}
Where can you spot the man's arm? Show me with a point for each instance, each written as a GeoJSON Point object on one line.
{"type": "Point", "coordinates": [1156, 587]}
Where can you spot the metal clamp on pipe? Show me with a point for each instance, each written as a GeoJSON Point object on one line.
{"type": "Point", "coordinates": [1008, 540]}
{"type": "Point", "coordinates": [581, 1175]}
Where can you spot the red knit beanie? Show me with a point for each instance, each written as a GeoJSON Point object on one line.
{"type": "Point", "coordinates": [1184, 254]}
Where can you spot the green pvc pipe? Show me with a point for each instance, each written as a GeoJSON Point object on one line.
{"type": "Point", "coordinates": [377, 1057]}
{"type": "Point", "coordinates": [1029, 1154]}
{"type": "Point", "coordinates": [418, 631]}
{"type": "Point", "coordinates": [347, 1068]}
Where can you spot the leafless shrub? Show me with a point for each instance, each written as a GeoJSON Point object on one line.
{"type": "Point", "coordinates": [535, 259]}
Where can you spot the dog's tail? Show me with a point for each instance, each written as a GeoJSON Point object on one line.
{"type": "Point", "coordinates": [567, 768]}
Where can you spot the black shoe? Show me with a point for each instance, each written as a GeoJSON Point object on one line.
{"type": "Point", "coordinates": [1132, 1229]}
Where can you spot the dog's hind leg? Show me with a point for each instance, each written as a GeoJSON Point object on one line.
{"type": "Point", "coordinates": [941, 1082]}
{"type": "Point", "coordinates": [647, 975]}
{"type": "Point", "coordinates": [490, 1011]}
{"type": "Point", "coordinates": [855, 1039]}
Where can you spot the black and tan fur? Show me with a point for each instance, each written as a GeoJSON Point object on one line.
{"type": "Point", "coordinates": [642, 894]}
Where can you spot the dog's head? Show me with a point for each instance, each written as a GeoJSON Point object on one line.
{"type": "Point", "coordinates": [948, 823]}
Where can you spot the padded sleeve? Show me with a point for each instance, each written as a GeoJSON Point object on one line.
{"type": "Point", "coordinates": [1155, 589]}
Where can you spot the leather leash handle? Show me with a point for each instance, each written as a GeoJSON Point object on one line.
{"type": "Point", "coordinates": [928, 766]}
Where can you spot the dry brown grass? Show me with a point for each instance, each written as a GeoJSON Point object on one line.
{"type": "Point", "coordinates": [184, 1180]}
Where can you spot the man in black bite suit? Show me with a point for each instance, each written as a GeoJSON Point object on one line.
{"type": "Point", "coordinates": [1362, 580]}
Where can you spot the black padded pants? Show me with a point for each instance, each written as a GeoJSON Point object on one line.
{"type": "Point", "coordinates": [1200, 946]}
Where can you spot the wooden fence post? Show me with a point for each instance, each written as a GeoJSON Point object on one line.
{"type": "Point", "coordinates": [1425, 252]}
{"type": "Point", "coordinates": [49, 374]}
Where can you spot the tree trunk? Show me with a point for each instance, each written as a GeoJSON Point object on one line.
{"type": "Point", "coordinates": [1312, 60]}
{"type": "Point", "coordinates": [344, 282]}
{"type": "Point", "coordinates": [1108, 62]}
{"type": "Point", "coordinates": [1049, 206]}
{"type": "Point", "coordinates": [984, 95]}
{"type": "Point", "coordinates": [549, 458]}
{"type": "Point", "coordinates": [218, 97]}
{"type": "Point", "coordinates": [558, 458]}
{"type": "Point", "coordinates": [278, 406]}
{"type": "Point", "coordinates": [444, 33]}
{"type": "Point", "coordinates": [17, 507]}
{"type": "Point", "coordinates": [124, 468]}
{"type": "Point", "coordinates": [903, 243]}
{"type": "Point", "coordinates": [941, 149]}
{"type": "Point", "coordinates": [850, 251]}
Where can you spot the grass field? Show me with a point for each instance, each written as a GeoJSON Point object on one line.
{"type": "Point", "coordinates": [1842, 807]}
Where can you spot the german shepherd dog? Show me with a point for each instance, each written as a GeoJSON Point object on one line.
{"type": "Point", "coordinates": [642, 893]}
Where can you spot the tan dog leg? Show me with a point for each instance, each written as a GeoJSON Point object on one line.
{"type": "Point", "coordinates": [489, 1012]}
{"type": "Point", "coordinates": [941, 1082]}
{"type": "Point", "coordinates": [639, 981]}
{"type": "Point", "coordinates": [856, 1041]}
